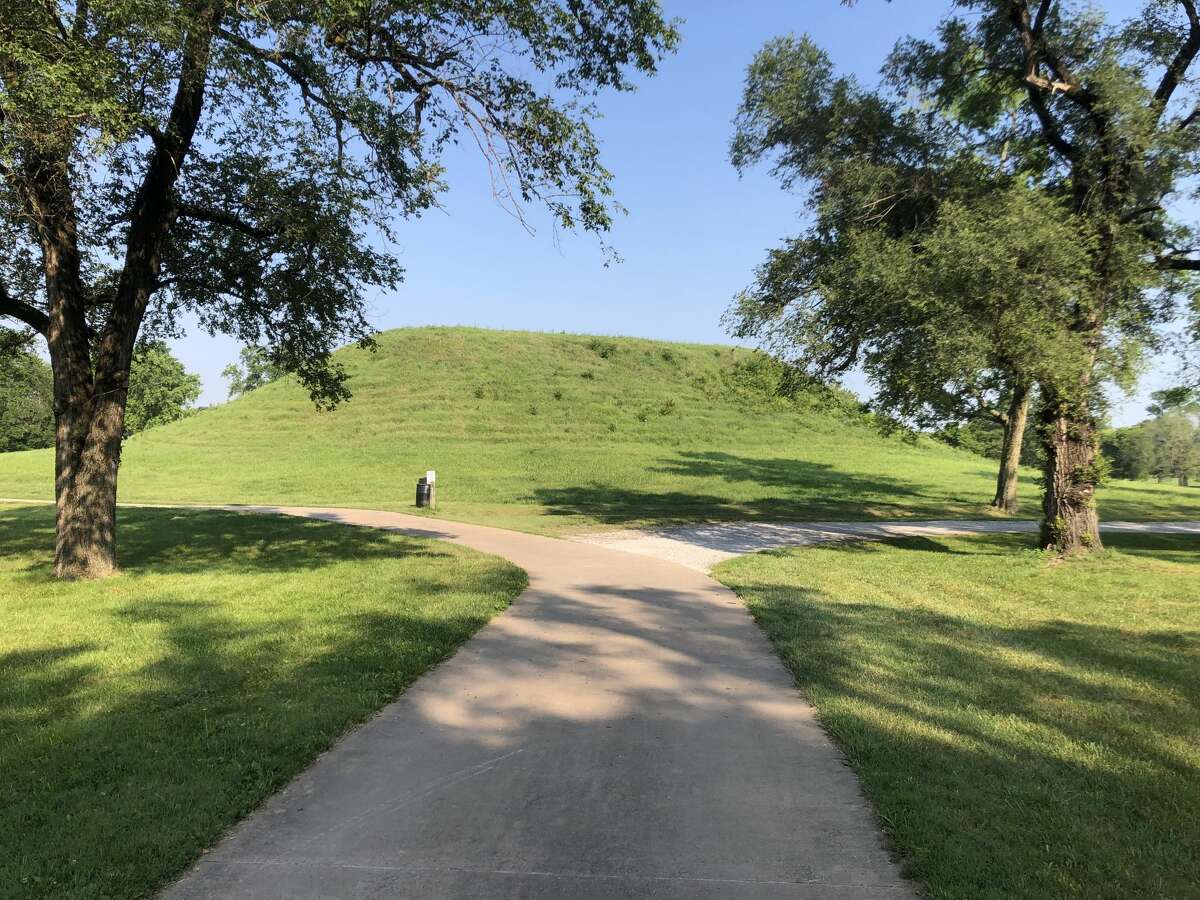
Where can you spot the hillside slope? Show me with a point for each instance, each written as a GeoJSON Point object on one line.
{"type": "Point", "coordinates": [551, 431]}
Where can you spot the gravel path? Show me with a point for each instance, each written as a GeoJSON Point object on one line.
{"type": "Point", "coordinates": [701, 547]}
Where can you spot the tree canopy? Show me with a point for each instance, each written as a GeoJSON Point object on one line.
{"type": "Point", "coordinates": [161, 390]}
{"type": "Point", "coordinates": [265, 150]}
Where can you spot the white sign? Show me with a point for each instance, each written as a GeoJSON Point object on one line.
{"type": "Point", "coordinates": [430, 476]}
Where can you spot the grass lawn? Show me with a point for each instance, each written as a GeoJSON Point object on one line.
{"type": "Point", "coordinates": [1024, 728]}
{"type": "Point", "coordinates": [141, 716]}
{"type": "Point", "coordinates": [556, 432]}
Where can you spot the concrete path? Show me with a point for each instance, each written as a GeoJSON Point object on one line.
{"type": "Point", "coordinates": [622, 731]}
{"type": "Point", "coordinates": [701, 547]}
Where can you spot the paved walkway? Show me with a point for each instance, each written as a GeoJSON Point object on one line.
{"type": "Point", "coordinates": [623, 730]}
{"type": "Point", "coordinates": [701, 547]}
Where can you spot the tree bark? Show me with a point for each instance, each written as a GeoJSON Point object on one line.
{"type": "Point", "coordinates": [1070, 524]}
{"type": "Point", "coordinates": [1010, 455]}
{"type": "Point", "coordinates": [87, 457]}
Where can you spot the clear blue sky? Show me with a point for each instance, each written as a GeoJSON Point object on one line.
{"type": "Point", "coordinates": [694, 230]}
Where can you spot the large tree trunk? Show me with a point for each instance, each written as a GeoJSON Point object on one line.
{"type": "Point", "coordinates": [87, 456]}
{"type": "Point", "coordinates": [1070, 524]}
{"type": "Point", "coordinates": [1010, 455]}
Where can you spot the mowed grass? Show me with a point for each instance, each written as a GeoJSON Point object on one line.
{"type": "Point", "coordinates": [143, 715]}
{"type": "Point", "coordinates": [1024, 727]}
{"type": "Point", "coordinates": [553, 432]}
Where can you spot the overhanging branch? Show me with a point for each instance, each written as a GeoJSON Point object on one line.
{"type": "Point", "coordinates": [1184, 56]}
{"type": "Point", "coordinates": [221, 217]}
{"type": "Point", "coordinates": [1178, 261]}
{"type": "Point", "coordinates": [23, 312]}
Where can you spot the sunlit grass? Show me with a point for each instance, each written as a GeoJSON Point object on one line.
{"type": "Point", "coordinates": [549, 432]}
{"type": "Point", "coordinates": [1024, 727]}
{"type": "Point", "coordinates": [143, 715]}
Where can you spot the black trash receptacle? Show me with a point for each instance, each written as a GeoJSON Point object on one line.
{"type": "Point", "coordinates": [423, 490]}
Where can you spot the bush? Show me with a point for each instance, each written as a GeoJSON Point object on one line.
{"type": "Point", "coordinates": [605, 349]}
{"type": "Point", "coordinates": [756, 376]}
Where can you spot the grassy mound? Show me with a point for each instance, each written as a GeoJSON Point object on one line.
{"type": "Point", "coordinates": [1024, 727]}
{"type": "Point", "coordinates": [143, 715]}
{"type": "Point", "coordinates": [543, 432]}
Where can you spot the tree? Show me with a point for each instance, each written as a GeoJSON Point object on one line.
{"type": "Point", "coordinates": [1102, 120]}
{"type": "Point", "coordinates": [923, 264]}
{"type": "Point", "coordinates": [1130, 451]}
{"type": "Point", "coordinates": [161, 390]}
{"type": "Point", "coordinates": [1105, 117]}
{"type": "Point", "coordinates": [26, 396]}
{"type": "Point", "coordinates": [1174, 434]}
{"type": "Point", "coordinates": [253, 369]}
{"type": "Point", "coordinates": [985, 436]}
{"type": "Point", "coordinates": [244, 163]}
{"type": "Point", "coordinates": [1176, 441]}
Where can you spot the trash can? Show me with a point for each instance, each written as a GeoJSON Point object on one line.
{"type": "Point", "coordinates": [424, 491]}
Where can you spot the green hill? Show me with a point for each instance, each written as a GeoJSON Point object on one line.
{"type": "Point", "coordinates": [551, 431]}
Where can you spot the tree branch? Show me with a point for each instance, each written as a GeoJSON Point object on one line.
{"type": "Point", "coordinates": [221, 217]}
{"type": "Point", "coordinates": [984, 408]}
{"type": "Point", "coordinates": [153, 208]}
{"type": "Point", "coordinates": [1035, 82]}
{"type": "Point", "coordinates": [23, 312]}
{"type": "Point", "coordinates": [1040, 20]}
{"type": "Point", "coordinates": [79, 26]}
{"type": "Point", "coordinates": [1183, 59]}
{"type": "Point", "coordinates": [1178, 263]}
{"type": "Point", "coordinates": [293, 65]}
{"type": "Point", "coordinates": [1137, 212]}
{"type": "Point", "coordinates": [1050, 129]}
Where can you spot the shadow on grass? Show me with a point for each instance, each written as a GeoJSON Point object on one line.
{"type": "Point", "coordinates": [1028, 756]}
{"type": "Point", "coordinates": [773, 490]}
{"type": "Point", "coordinates": [165, 541]}
{"type": "Point", "coordinates": [201, 692]}
{"type": "Point", "coordinates": [779, 472]}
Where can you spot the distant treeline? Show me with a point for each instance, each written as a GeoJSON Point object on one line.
{"type": "Point", "coordinates": [161, 390]}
